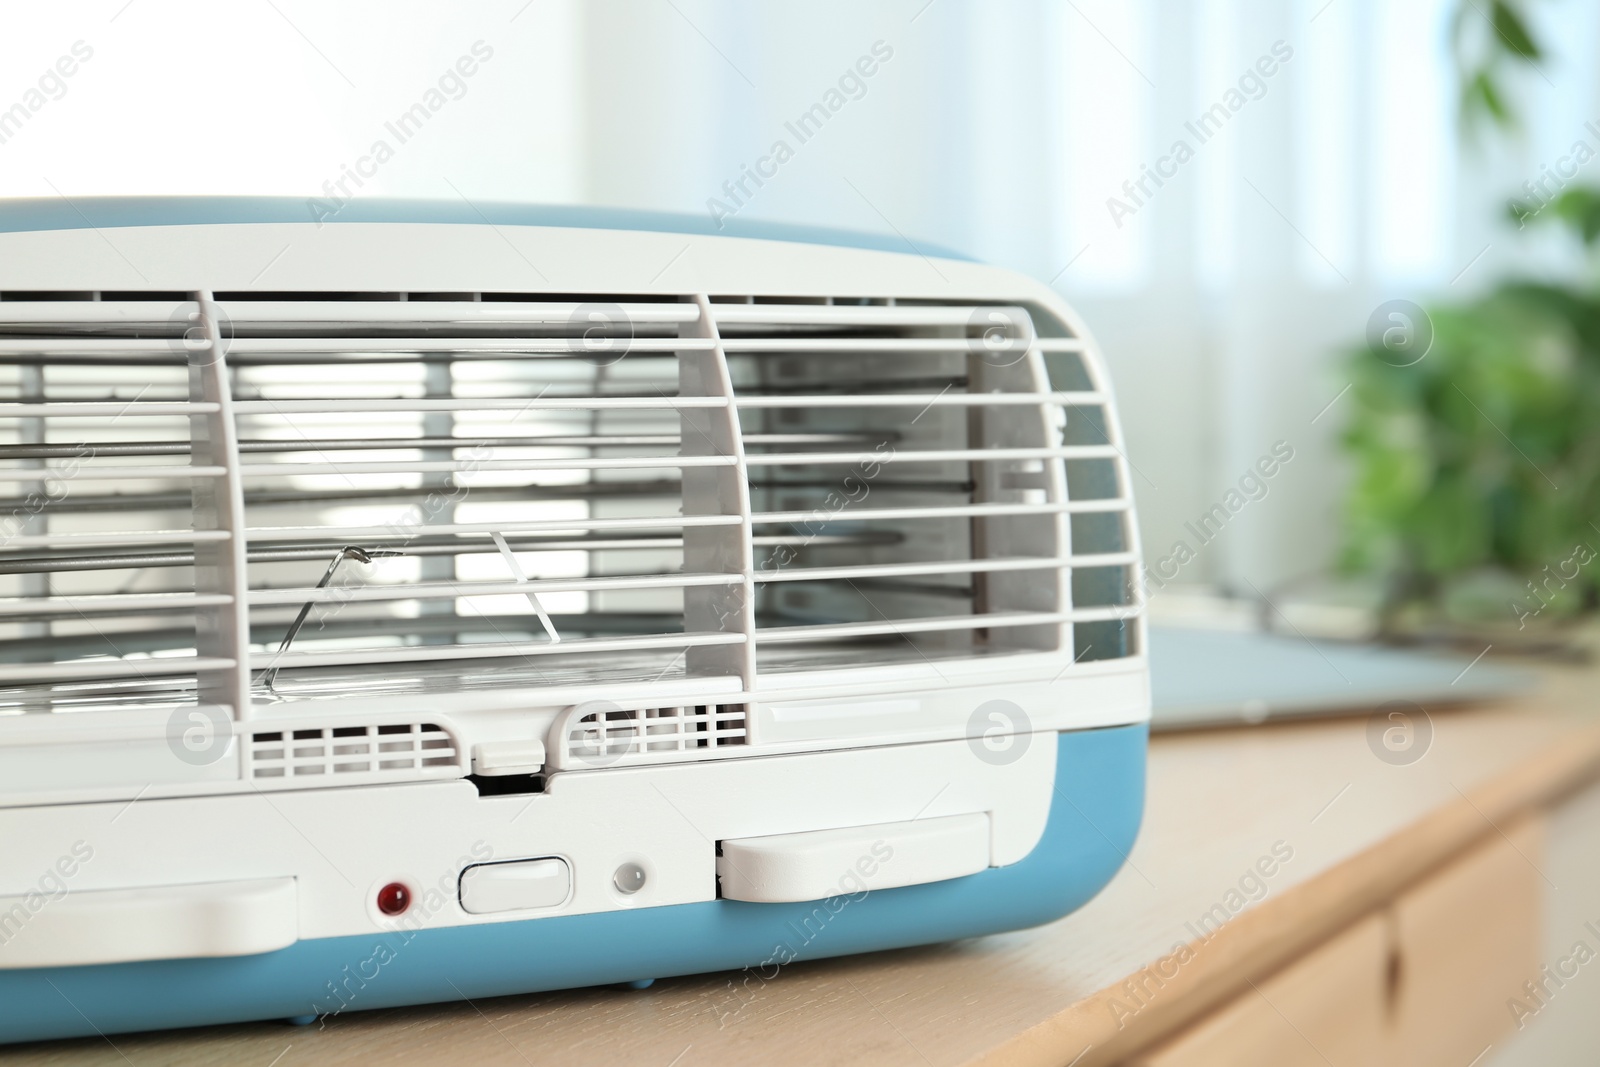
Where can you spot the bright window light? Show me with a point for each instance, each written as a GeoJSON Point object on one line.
{"type": "Point", "coordinates": [1217, 160]}
{"type": "Point", "coordinates": [1325, 140]}
{"type": "Point", "coordinates": [1105, 50]}
{"type": "Point", "coordinates": [1413, 143]}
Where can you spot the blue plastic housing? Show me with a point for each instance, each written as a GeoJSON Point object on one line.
{"type": "Point", "coordinates": [1094, 818]}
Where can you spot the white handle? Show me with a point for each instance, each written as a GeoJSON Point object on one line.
{"type": "Point", "coordinates": [828, 863]}
{"type": "Point", "coordinates": [155, 923]}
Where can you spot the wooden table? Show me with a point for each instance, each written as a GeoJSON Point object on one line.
{"type": "Point", "coordinates": [1373, 908]}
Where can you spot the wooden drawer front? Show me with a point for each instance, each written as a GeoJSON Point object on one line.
{"type": "Point", "coordinates": [1425, 981]}
{"type": "Point", "coordinates": [1326, 1008]}
{"type": "Point", "coordinates": [1466, 939]}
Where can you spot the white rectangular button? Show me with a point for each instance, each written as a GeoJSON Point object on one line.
{"type": "Point", "coordinates": [508, 757]}
{"type": "Point", "coordinates": [818, 864]}
{"type": "Point", "coordinates": [515, 886]}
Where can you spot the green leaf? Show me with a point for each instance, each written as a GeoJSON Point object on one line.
{"type": "Point", "coordinates": [1479, 62]}
{"type": "Point", "coordinates": [1578, 208]}
{"type": "Point", "coordinates": [1481, 99]}
{"type": "Point", "coordinates": [1513, 32]}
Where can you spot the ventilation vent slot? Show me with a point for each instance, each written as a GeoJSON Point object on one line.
{"type": "Point", "coordinates": [607, 736]}
{"type": "Point", "coordinates": [404, 751]}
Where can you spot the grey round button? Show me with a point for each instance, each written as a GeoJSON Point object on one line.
{"type": "Point", "coordinates": [629, 879]}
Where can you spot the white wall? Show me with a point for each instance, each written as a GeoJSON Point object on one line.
{"type": "Point", "coordinates": [276, 98]}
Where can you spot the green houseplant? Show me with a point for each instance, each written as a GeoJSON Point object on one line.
{"type": "Point", "coordinates": [1477, 467]}
{"type": "Point", "coordinates": [1475, 495]}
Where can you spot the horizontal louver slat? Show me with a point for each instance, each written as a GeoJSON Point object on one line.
{"type": "Point", "coordinates": [435, 590]}
{"type": "Point", "coordinates": [441, 653]}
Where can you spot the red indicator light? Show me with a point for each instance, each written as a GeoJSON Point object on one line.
{"type": "Point", "coordinates": [394, 898]}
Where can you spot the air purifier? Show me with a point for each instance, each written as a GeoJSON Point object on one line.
{"type": "Point", "coordinates": [434, 601]}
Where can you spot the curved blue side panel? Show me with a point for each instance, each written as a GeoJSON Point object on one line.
{"type": "Point", "coordinates": [106, 212]}
{"type": "Point", "coordinates": [1094, 818]}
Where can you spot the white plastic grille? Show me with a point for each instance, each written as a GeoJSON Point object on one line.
{"type": "Point", "coordinates": [610, 735]}
{"type": "Point", "coordinates": [114, 531]}
{"type": "Point", "coordinates": [430, 492]}
{"type": "Point", "coordinates": [500, 480]}
{"type": "Point", "coordinates": [406, 750]}
{"type": "Point", "coordinates": [978, 509]}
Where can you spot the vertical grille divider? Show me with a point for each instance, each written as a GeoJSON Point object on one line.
{"type": "Point", "coordinates": [724, 490]}
{"type": "Point", "coordinates": [1101, 383]}
{"type": "Point", "coordinates": [221, 630]}
{"type": "Point", "coordinates": [1054, 418]}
